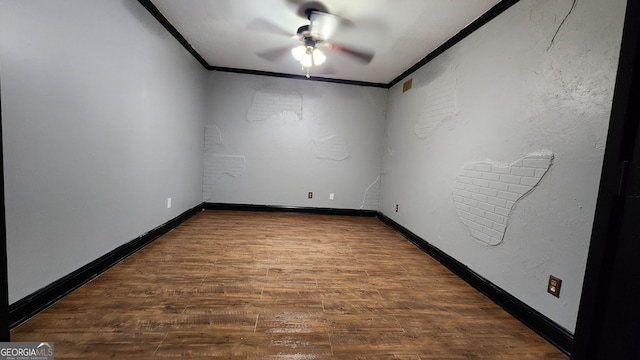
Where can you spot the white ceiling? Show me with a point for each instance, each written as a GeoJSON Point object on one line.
{"type": "Point", "coordinates": [230, 33]}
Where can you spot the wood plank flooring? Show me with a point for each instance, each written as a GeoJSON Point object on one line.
{"type": "Point", "coordinates": [239, 285]}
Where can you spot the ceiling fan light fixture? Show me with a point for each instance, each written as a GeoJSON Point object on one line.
{"type": "Point", "coordinates": [307, 60]}
{"type": "Point", "coordinates": [308, 56]}
{"type": "Point", "coordinates": [318, 57]}
{"type": "Point", "coordinates": [298, 52]}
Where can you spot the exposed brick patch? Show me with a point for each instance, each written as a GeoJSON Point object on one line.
{"type": "Point", "coordinates": [333, 148]}
{"type": "Point", "coordinates": [216, 166]}
{"type": "Point", "coordinates": [439, 106]}
{"type": "Point", "coordinates": [484, 193]}
{"type": "Point", "coordinates": [233, 165]}
{"type": "Point", "coordinates": [273, 102]}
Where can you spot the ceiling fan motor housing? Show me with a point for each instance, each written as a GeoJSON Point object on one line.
{"type": "Point", "coordinates": [309, 11]}
{"type": "Point", "coordinates": [310, 42]}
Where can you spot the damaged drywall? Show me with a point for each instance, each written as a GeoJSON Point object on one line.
{"type": "Point", "coordinates": [439, 106]}
{"type": "Point", "coordinates": [371, 196]}
{"type": "Point", "coordinates": [212, 140]}
{"type": "Point", "coordinates": [273, 102]}
{"type": "Point", "coordinates": [332, 148]}
{"type": "Point", "coordinates": [485, 192]}
{"type": "Point", "coordinates": [232, 165]}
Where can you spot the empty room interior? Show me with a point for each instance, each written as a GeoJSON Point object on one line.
{"type": "Point", "coordinates": [444, 160]}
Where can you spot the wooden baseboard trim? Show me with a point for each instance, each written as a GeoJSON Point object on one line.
{"type": "Point", "coordinates": [542, 325]}
{"type": "Point", "coordinates": [25, 308]}
{"type": "Point", "coordinates": [290, 209]}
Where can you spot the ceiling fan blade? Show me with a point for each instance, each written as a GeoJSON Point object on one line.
{"type": "Point", "coordinates": [363, 56]}
{"type": "Point", "coordinates": [265, 26]}
{"type": "Point", "coordinates": [324, 25]}
{"type": "Point", "coordinates": [275, 54]}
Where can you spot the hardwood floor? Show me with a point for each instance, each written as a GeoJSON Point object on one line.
{"type": "Point", "coordinates": [238, 285]}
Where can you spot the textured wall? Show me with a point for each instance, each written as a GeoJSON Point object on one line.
{"type": "Point", "coordinates": [103, 121]}
{"type": "Point", "coordinates": [504, 92]}
{"type": "Point", "coordinates": [270, 141]}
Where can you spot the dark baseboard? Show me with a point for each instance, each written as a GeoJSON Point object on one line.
{"type": "Point", "coordinates": [30, 305]}
{"type": "Point", "coordinates": [289, 209]}
{"type": "Point", "coordinates": [545, 327]}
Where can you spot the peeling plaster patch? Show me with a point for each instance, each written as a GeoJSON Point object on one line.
{"type": "Point", "coordinates": [485, 193]}
{"type": "Point", "coordinates": [289, 116]}
{"type": "Point", "coordinates": [371, 196]}
{"type": "Point", "coordinates": [216, 167]}
{"type": "Point", "coordinates": [212, 139]}
{"type": "Point", "coordinates": [273, 102]}
{"type": "Point", "coordinates": [214, 136]}
{"type": "Point", "coordinates": [333, 148]}
{"type": "Point", "coordinates": [233, 165]}
{"type": "Point", "coordinates": [439, 107]}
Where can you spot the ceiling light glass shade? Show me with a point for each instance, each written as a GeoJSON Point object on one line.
{"type": "Point", "coordinates": [308, 56]}
{"type": "Point", "coordinates": [318, 57]}
{"type": "Point", "coordinates": [298, 52]}
{"type": "Point", "coordinates": [307, 60]}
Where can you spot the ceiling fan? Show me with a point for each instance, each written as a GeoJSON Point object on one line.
{"type": "Point", "coordinates": [314, 37]}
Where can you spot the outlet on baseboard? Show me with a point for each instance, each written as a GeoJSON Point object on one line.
{"type": "Point", "coordinates": [310, 195]}
{"type": "Point", "coordinates": [396, 207]}
{"type": "Point", "coordinates": [331, 196]}
{"type": "Point", "coordinates": [168, 203]}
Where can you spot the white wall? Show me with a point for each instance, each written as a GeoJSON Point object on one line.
{"type": "Point", "coordinates": [501, 93]}
{"type": "Point", "coordinates": [103, 120]}
{"type": "Point", "coordinates": [270, 141]}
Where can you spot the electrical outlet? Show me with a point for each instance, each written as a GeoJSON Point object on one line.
{"type": "Point", "coordinates": [310, 195]}
{"type": "Point", "coordinates": [330, 196]}
{"type": "Point", "coordinates": [168, 203]}
{"type": "Point", "coordinates": [396, 207]}
{"type": "Point", "coordinates": [553, 287]}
